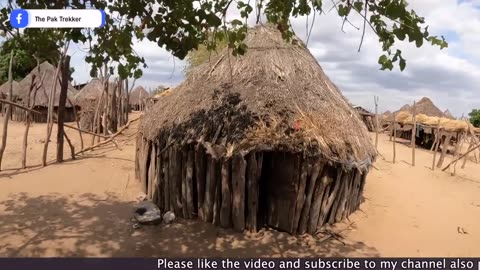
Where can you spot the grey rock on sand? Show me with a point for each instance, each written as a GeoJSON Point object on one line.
{"type": "Point", "coordinates": [147, 213]}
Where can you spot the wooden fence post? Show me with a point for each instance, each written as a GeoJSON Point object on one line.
{"type": "Point", "coordinates": [414, 133]}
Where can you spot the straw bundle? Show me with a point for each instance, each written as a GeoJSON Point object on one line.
{"type": "Point", "coordinates": [444, 123]}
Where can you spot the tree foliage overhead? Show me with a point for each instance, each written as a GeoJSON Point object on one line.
{"type": "Point", "coordinates": [181, 26]}
{"type": "Point", "coordinates": [26, 55]}
{"type": "Point", "coordinates": [475, 117]}
{"type": "Point", "coordinates": [202, 54]}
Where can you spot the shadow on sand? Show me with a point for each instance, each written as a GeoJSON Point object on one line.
{"type": "Point", "coordinates": [93, 225]}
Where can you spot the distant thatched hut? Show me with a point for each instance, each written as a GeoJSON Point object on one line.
{"type": "Point", "coordinates": [5, 90]}
{"type": "Point", "coordinates": [87, 99]}
{"type": "Point", "coordinates": [273, 145]}
{"type": "Point", "coordinates": [424, 107]}
{"type": "Point", "coordinates": [138, 98]}
{"type": "Point", "coordinates": [40, 100]}
{"type": "Point", "coordinates": [448, 114]}
{"type": "Point", "coordinates": [367, 117]}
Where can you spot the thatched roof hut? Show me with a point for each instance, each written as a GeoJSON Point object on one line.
{"type": "Point", "coordinates": [89, 96]}
{"type": "Point", "coordinates": [5, 88]}
{"type": "Point", "coordinates": [405, 108]}
{"type": "Point", "coordinates": [448, 114]}
{"type": "Point", "coordinates": [236, 142]}
{"type": "Point", "coordinates": [138, 98]}
{"type": "Point", "coordinates": [425, 106]}
{"type": "Point", "coordinates": [42, 95]}
{"type": "Point", "coordinates": [367, 117]}
{"type": "Point", "coordinates": [41, 99]}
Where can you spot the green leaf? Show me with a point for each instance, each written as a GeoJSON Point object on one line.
{"type": "Point", "coordinates": [402, 64]}
{"type": "Point", "coordinates": [358, 6]}
{"type": "Point", "coordinates": [138, 74]}
{"type": "Point", "coordinates": [382, 59]}
{"type": "Point", "coordinates": [236, 22]}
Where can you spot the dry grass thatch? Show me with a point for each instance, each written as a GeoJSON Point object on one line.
{"type": "Point", "coordinates": [93, 91]}
{"type": "Point", "coordinates": [405, 108]}
{"type": "Point", "coordinates": [41, 99]}
{"type": "Point", "coordinates": [5, 88]}
{"type": "Point", "coordinates": [164, 93]}
{"type": "Point", "coordinates": [275, 97]}
{"type": "Point", "coordinates": [448, 114]}
{"type": "Point", "coordinates": [426, 106]}
{"type": "Point", "coordinates": [442, 122]}
{"type": "Point", "coordinates": [138, 96]}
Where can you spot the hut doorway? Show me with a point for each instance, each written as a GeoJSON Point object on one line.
{"type": "Point", "coordinates": [279, 190]}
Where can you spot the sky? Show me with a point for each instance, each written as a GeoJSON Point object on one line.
{"type": "Point", "coordinates": [450, 77]}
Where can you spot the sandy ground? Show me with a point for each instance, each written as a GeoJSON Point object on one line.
{"type": "Point", "coordinates": [83, 208]}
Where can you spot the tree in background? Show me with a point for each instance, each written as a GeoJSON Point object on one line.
{"type": "Point", "coordinates": [27, 56]}
{"type": "Point", "coordinates": [475, 117]}
{"type": "Point", "coordinates": [202, 55]}
{"type": "Point", "coordinates": [183, 25]}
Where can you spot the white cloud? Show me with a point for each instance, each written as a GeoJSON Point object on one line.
{"type": "Point", "coordinates": [449, 77]}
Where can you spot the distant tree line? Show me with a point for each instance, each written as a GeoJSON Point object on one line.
{"type": "Point", "coordinates": [475, 117]}
{"type": "Point", "coordinates": [23, 60]}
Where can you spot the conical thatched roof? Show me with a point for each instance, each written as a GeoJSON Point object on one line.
{"type": "Point", "coordinates": [274, 97]}
{"type": "Point", "coordinates": [425, 106]}
{"type": "Point", "coordinates": [43, 92]}
{"type": "Point", "coordinates": [138, 95]}
{"type": "Point", "coordinates": [93, 90]}
{"type": "Point", "coordinates": [405, 108]}
{"type": "Point", "coordinates": [448, 114]}
{"type": "Point", "coordinates": [5, 88]}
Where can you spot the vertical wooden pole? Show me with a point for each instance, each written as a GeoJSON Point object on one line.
{"type": "Point", "coordinates": [375, 98]}
{"type": "Point", "coordinates": [61, 107]}
{"type": "Point", "coordinates": [438, 140]}
{"type": "Point", "coordinates": [414, 133]}
{"type": "Point", "coordinates": [444, 149]}
{"type": "Point", "coordinates": [75, 114]}
{"type": "Point", "coordinates": [394, 135]}
{"type": "Point", "coordinates": [51, 104]}
{"type": "Point", "coordinates": [9, 110]}
{"type": "Point", "coordinates": [238, 189]}
{"type": "Point", "coordinates": [466, 156]}
{"type": "Point", "coordinates": [27, 125]}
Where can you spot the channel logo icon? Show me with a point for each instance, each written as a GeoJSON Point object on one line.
{"type": "Point", "coordinates": [19, 18]}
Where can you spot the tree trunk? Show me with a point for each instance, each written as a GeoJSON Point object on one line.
{"type": "Point", "coordinates": [113, 110]}
{"type": "Point", "coordinates": [61, 107]}
{"type": "Point", "coordinates": [9, 110]}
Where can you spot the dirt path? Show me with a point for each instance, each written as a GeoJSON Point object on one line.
{"type": "Point", "coordinates": [83, 208]}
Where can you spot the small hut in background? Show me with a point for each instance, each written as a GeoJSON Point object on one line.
{"type": "Point", "coordinates": [138, 98]}
{"type": "Point", "coordinates": [448, 114]}
{"type": "Point", "coordinates": [367, 118]}
{"type": "Point", "coordinates": [40, 98]}
{"type": "Point", "coordinates": [424, 107]}
{"type": "Point", "coordinates": [92, 99]}
{"type": "Point", "coordinates": [87, 99]}
{"type": "Point", "coordinates": [273, 145]}
{"type": "Point", "coordinates": [5, 90]}
{"type": "Point", "coordinates": [446, 132]}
